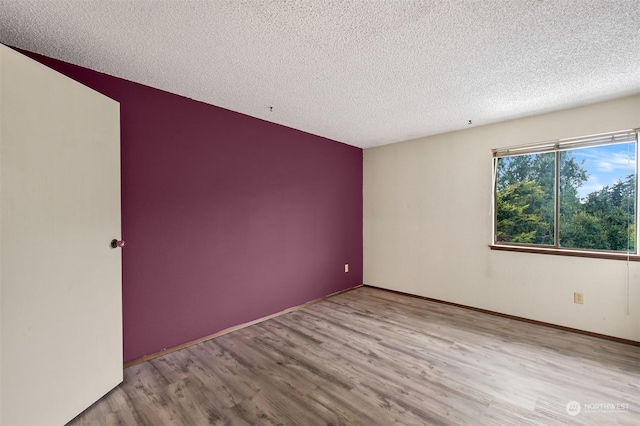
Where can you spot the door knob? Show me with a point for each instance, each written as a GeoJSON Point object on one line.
{"type": "Point", "coordinates": [117, 243]}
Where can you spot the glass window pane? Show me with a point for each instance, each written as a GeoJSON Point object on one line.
{"type": "Point", "coordinates": [598, 198]}
{"type": "Point", "coordinates": [525, 199]}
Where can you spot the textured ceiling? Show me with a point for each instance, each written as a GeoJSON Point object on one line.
{"type": "Point", "coordinates": [362, 72]}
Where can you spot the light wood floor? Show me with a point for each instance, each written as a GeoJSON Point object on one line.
{"type": "Point", "coordinates": [371, 357]}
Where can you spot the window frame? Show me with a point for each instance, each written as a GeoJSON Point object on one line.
{"type": "Point", "coordinates": [556, 147]}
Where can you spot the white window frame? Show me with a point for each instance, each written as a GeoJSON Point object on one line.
{"type": "Point", "coordinates": [556, 147]}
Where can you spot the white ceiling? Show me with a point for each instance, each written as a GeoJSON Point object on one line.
{"type": "Point", "coordinates": [364, 72]}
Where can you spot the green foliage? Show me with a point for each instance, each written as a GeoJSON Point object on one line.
{"type": "Point", "coordinates": [525, 199]}
{"type": "Point", "coordinates": [583, 231]}
{"type": "Point", "coordinates": [521, 212]}
{"type": "Point", "coordinates": [611, 212]}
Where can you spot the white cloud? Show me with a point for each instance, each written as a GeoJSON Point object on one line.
{"type": "Point", "coordinates": [616, 162]}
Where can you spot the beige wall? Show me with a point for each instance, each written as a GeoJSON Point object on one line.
{"type": "Point", "coordinates": [427, 226]}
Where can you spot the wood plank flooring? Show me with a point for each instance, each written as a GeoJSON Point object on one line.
{"type": "Point", "coordinates": [372, 357]}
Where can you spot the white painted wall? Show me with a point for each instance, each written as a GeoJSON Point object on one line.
{"type": "Point", "coordinates": [427, 227]}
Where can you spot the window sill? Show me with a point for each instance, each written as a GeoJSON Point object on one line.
{"type": "Point", "coordinates": [572, 253]}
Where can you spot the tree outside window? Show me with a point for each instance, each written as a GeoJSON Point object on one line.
{"type": "Point", "coordinates": [577, 197]}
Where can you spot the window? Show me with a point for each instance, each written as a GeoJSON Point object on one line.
{"type": "Point", "coordinates": [575, 194]}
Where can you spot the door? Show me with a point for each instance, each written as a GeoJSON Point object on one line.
{"type": "Point", "coordinates": [60, 281]}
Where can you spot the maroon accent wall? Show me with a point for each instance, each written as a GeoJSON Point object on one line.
{"type": "Point", "coordinates": [226, 218]}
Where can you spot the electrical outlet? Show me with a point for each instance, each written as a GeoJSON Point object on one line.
{"type": "Point", "coordinates": [578, 298]}
{"type": "Point", "coordinates": [346, 267]}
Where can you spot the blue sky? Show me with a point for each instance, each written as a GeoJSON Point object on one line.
{"type": "Point", "coordinates": [605, 165]}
